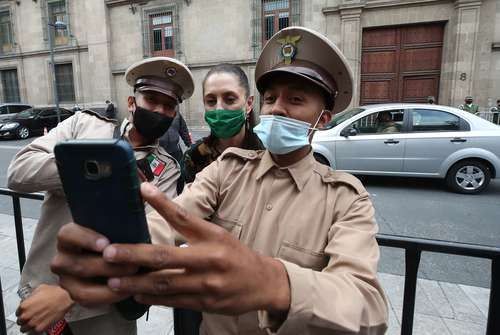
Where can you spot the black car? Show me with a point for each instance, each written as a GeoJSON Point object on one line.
{"type": "Point", "coordinates": [31, 121]}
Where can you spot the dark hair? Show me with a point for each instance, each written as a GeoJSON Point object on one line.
{"type": "Point", "coordinates": [231, 69]}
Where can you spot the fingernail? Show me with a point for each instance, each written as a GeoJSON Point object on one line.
{"type": "Point", "coordinates": [101, 243]}
{"type": "Point", "coordinates": [109, 253]}
{"type": "Point", "coordinates": [147, 188]}
{"type": "Point", "coordinates": [114, 284]}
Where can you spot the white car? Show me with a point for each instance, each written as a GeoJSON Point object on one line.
{"type": "Point", "coordinates": [413, 140]}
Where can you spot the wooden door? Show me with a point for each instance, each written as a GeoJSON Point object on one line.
{"type": "Point", "coordinates": [401, 64]}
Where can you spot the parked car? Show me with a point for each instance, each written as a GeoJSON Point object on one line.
{"type": "Point", "coordinates": [413, 140]}
{"type": "Point", "coordinates": [10, 109]}
{"type": "Point", "coordinates": [31, 121]}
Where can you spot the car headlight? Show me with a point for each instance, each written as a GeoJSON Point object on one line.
{"type": "Point", "coordinates": [10, 125]}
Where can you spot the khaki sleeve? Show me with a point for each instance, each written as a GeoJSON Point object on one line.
{"type": "Point", "coordinates": [34, 169]}
{"type": "Point", "coordinates": [345, 296]}
{"type": "Point", "coordinates": [199, 198]}
{"type": "Point", "coordinates": [159, 229]}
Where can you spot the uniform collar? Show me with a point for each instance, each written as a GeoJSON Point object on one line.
{"type": "Point", "coordinates": [300, 171]}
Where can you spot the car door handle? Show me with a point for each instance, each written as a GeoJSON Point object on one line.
{"type": "Point", "coordinates": [458, 140]}
{"type": "Point", "coordinates": [391, 142]}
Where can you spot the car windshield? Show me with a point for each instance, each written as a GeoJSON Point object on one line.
{"type": "Point", "coordinates": [342, 116]}
{"type": "Point", "coordinates": [26, 113]}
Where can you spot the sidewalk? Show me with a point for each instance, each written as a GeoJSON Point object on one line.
{"type": "Point", "coordinates": [442, 308]}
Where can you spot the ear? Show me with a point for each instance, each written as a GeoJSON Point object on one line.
{"type": "Point", "coordinates": [130, 103]}
{"type": "Point", "coordinates": [325, 118]}
{"type": "Point", "coordinates": [249, 104]}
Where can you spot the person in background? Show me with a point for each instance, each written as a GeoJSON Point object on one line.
{"type": "Point", "coordinates": [496, 112]}
{"type": "Point", "coordinates": [431, 100]}
{"type": "Point", "coordinates": [278, 242]}
{"type": "Point", "coordinates": [229, 114]}
{"type": "Point", "coordinates": [469, 105]}
{"type": "Point", "coordinates": [170, 140]}
{"type": "Point", "coordinates": [152, 109]}
{"type": "Point", "coordinates": [385, 124]}
{"type": "Point", "coordinates": [110, 111]}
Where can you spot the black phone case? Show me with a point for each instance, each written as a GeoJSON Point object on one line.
{"type": "Point", "coordinates": [109, 201]}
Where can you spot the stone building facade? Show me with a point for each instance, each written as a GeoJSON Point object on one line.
{"type": "Point", "coordinates": [399, 50]}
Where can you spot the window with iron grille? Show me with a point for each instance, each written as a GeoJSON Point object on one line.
{"type": "Point", "coordinates": [5, 32]}
{"type": "Point", "coordinates": [162, 34]}
{"type": "Point", "coordinates": [10, 86]}
{"type": "Point", "coordinates": [65, 86]}
{"type": "Point", "coordinates": [57, 11]}
{"type": "Point", "coordinates": [276, 16]}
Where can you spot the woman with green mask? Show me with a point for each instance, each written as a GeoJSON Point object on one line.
{"type": "Point", "coordinates": [229, 114]}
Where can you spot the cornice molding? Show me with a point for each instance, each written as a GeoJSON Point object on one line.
{"type": "Point", "coordinates": [381, 4]}
{"type": "Point", "coordinates": [117, 3]}
{"type": "Point", "coordinates": [467, 3]}
{"type": "Point", "coordinates": [59, 50]}
{"type": "Point", "coordinates": [204, 65]}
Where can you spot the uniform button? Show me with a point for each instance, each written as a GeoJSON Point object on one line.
{"type": "Point", "coordinates": [269, 207]}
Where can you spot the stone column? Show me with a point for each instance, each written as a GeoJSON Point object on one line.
{"type": "Point", "coordinates": [467, 26]}
{"type": "Point", "coordinates": [98, 36]}
{"type": "Point", "coordinates": [350, 44]}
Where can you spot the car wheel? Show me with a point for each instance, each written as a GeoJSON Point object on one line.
{"type": "Point", "coordinates": [321, 159]}
{"type": "Point", "coordinates": [23, 132]}
{"type": "Point", "coordinates": [468, 176]}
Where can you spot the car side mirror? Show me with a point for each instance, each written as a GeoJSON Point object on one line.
{"type": "Point", "coordinates": [346, 132]}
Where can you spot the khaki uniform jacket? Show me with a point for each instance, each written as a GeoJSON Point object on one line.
{"type": "Point", "coordinates": [34, 169]}
{"type": "Point", "coordinates": [318, 222]}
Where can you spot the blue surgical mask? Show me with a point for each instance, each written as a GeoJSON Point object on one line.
{"type": "Point", "coordinates": [281, 135]}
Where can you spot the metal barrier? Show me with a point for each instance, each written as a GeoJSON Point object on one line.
{"type": "Point", "coordinates": [493, 117]}
{"type": "Point", "coordinates": [413, 249]}
{"type": "Point", "coordinates": [21, 251]}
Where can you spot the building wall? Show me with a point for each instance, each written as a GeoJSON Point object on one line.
{"type": "Point", "coordinates": [107, 37]}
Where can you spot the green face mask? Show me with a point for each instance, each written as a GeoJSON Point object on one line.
{"type": "Point", "coordinates": [225, 123]}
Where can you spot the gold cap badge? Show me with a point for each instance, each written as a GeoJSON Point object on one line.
{"type": "Point", "coordinates": [288, 47]}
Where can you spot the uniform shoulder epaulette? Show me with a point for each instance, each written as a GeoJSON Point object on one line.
{"type": "Point", "coordinates": [336, 177]}
{"type": "Point", "coordinates": [97, 115]}
{"type": "Point", "coordinates": [241, 153]}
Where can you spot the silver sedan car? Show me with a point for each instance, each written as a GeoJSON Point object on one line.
{"type": "Point", "coordinates": [413, 140]}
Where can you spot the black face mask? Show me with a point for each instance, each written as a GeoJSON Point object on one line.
{"type": "Point", "coordinates": [149, 124]}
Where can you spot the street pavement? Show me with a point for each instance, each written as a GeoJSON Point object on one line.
{"type": "Point", "coordinates": [442, 308]}
{"type": "Point", "coordinates": [452, 297]}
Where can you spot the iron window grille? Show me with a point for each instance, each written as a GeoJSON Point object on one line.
{"type": "Point", "coordinates": [162, 32]}
{"type": "Point", "coordinates": [65, 84]}
{"type": "Point", "coordinates": [10, 85]}
{"type": "Point", "coordinates": [6, 38]}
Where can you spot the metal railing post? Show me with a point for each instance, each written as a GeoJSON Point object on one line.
{"type": "Point", "coordinates": [493, 325]}
{"type": "Point", "coordinates": [3, 326]}
{"type": "Point", "coordinates": [412, 261]}
{"type": "Point", "coordinates": [21, 251]}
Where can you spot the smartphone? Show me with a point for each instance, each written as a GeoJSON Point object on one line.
{"type": "Point", "coordinates": [102, 187]}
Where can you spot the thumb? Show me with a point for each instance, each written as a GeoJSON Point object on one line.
{"type": "Point", "coordinates": [191, 227]}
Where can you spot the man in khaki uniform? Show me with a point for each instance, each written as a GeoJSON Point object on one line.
{"type": "Point", "coordinates": [291, 245]}
{"type": "Point", "coordinates": [160, 84]}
